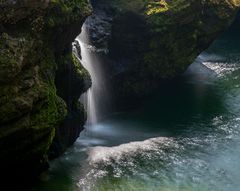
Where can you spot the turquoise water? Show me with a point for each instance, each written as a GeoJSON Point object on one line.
{"type": "Point", "coordinates": [184, 138]}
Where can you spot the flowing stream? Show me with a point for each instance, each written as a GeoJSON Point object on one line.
{"type": "Point", "coordinates": [184, 138]}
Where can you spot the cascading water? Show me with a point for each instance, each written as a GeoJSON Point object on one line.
{"type": "Point", "coordinates": [96, 99]}
{"type": "Point", "coordinates": [184, 138]}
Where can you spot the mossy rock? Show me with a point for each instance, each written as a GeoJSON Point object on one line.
{"type": "Point", "coordinates": [31, 107]}
{"type": "Point", "coordinates": [158, 40]}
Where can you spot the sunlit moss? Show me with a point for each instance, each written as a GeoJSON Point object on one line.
{"type": "Point", "coordinates": [66, 12]}
{"type": "Point", "coordinates": [155, 7]}
{"type": "Point", "coordinates": [235, 2]}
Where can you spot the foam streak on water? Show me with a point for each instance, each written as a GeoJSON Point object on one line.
{"type": "Point", "coordinates": [193, 163]}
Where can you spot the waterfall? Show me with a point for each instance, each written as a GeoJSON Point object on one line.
{"type": "Point", "coordinates": [96, 99]}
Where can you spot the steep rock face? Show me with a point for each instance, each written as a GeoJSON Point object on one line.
{"type": "Point", "coordinates": [35, 47]}
{"type": "Point", "coordinates": [154, 40]}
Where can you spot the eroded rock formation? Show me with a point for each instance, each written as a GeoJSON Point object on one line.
{"type": "Point", "coordinates": [155, 40]}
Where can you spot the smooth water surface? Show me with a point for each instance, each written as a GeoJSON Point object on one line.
{"type": "Point", "coordinates": [184, 138]}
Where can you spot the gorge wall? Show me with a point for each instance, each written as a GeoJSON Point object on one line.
{"type": "Point", "coordinates": [41, 80]}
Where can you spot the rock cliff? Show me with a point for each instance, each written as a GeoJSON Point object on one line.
{"type": "Point", "coordinates": [152, 40]}
{"type": "Point", "coordinates": [37, 69]}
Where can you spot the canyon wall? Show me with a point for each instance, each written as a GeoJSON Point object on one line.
{"type": "Point", "coordinates": [40, 81]}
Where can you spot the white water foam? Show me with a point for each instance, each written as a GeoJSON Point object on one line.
{"type": "Point", "coordinates": [106, 154]}
{"type": "Point", "coordinates": [221, 68]}
{"type": "Point", "coordinates": [220, 65]}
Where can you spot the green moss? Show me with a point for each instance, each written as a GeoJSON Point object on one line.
{"type": "Point", "coordinates": [155, 7]}
{"type": "Point", "coordinates": [51, 113]}
{"type": "Point", "coordinates": [67, 12]}
{"type": "Point", "coordinates": [11, 53]}
{"type": "Point", "coordinates": [81, 72]}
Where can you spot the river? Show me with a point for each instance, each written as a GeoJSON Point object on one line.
{"type": "Point", "coordinates": [184, 138]}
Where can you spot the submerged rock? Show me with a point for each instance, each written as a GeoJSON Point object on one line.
{"type": "Point", "coordinates": [36, 69]}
